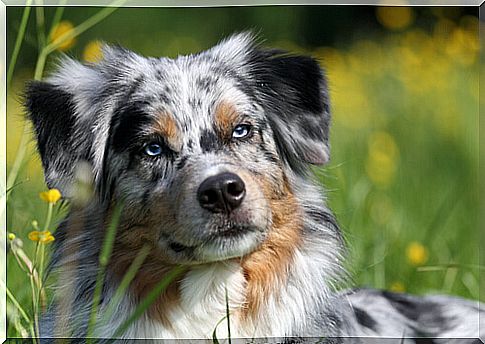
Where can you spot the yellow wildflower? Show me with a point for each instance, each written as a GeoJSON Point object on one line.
{"type": "Point", "coordinates": [383, 153]}
{"type": "Point", "coordinates": [395, 18]}
{"type": "Point", "coordinates": [64, 27]}
{"type": "Point", "coordinates": [416, 253]}
{"type": "Point", "coordinates": [397, 287]}
{"type": "Point", "coordinates": [44, 237]}
{"type": "Point", "coordinates": [92, 52]}
{"type": "Point", "coordinates": [11, 236]}
{"type": "Point", "coordinates": [51, 196]}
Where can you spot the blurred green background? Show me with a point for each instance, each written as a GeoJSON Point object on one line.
{"type": "Point", "coordinates": [403, 177]}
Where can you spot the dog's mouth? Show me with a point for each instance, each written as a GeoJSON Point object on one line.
{"type": "Point", "coordinates": [178, 248]}
{"type": "Point", "coordinates": [223, 242]}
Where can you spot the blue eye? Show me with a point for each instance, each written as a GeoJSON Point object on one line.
{"type": "Point", "coordinates": [153, 149]}
{"type": "Point", "coordinates": [241, 130]}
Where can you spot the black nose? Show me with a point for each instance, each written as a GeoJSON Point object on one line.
{"type": "Point", "coordinates": [221, 193]}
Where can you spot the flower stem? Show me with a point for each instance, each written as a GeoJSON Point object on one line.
{"type": "Point", "coordinates": [34, 306]}
{"type": "Point", "coordinates": [49, 216]}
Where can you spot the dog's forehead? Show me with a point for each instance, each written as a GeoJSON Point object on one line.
{"type": "Point", "coordinates": [189, 89]}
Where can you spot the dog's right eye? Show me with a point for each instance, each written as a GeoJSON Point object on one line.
{"type": "Point", "coordinates": [153, 149]}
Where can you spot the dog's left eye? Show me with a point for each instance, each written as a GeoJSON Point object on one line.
{"type": "Point", "coordinates": [241, 131]}
{"type": "Point", "coordinates": [153, 149]}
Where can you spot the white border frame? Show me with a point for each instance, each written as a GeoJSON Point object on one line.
{"type": "Point", "coordinates": [3, 170]}
{"type": "Point", "coordinates": [202, 3]}
{"type": "Point", "coordinates": [220, 3]}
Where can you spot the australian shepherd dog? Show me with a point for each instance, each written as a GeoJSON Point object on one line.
{"type": "Point", "coordinates": [206, 162]}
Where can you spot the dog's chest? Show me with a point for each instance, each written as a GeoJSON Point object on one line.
{"type": "Point", "coordinates": [202, 306]}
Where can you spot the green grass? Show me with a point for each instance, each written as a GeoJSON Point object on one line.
{"type": "Point", "coordinates": [404, 164]}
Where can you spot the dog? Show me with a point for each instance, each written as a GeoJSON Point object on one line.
{"type": "Point", "coordinates": [210, 156]}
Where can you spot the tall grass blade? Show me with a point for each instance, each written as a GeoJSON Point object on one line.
{"type": "Point", "coordinates": [124, 284]}
{"type": "Point", "coordinates": [18, 42]}
{"type": "Point", "coordinates": [442, 267]}
{"type": "Point", "coordinates": [228, 316]}
{"type": "Point", "coordinates": [104, 257]}
{"type": "Point", "coordinates": [13, 187]}
{"type": "Point", "coordinates": [214, 333]}
{"type": "Point", "coordinates": [16, 304]}
{"type": "Point", "coordinates": [87, 24]}
{"type": "Point", "coordinates": [57, 17]}
{"type": "Point", "coordinates": [40, 19]}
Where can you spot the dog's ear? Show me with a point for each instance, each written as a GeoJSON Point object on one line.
{"type": "Point", "coordinates": [51, 110]}
{"type": "Point", "coordinates": [294, 94]}
{"type": "Point", "coordinates": [71, 113]}
{"type": "Point", "coordinates": [63, 111]}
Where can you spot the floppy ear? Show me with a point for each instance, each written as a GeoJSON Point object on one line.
{"type": "Point", "coordinates": [52, 113]}
{"type": "Point", "coordinates": [295, 98]}
{"type": "Point", "coordinates": [71, 113]}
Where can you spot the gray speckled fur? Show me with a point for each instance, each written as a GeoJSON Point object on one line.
{"type": "Point", "coordinates": [77, 111]}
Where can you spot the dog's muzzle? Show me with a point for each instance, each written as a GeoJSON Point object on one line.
{"type": "Point", "coordinates": [221, 193]}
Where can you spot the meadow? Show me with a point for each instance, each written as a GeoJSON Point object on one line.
{"type": "Point", "coordinates": [403, 177]}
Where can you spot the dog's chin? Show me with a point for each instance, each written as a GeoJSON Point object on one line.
{"type": "Point", "coordinates": [228, 244]}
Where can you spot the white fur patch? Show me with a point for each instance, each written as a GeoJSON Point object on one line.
{"type": "Point", "coordinates": [202, 305]}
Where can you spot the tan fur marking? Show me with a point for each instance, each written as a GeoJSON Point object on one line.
{"type": "Point", "coordinates": [267, 268]}
{"type": "Point", "coordinates": [226, 117]}
{"type": "Point", "coordinates": [166, 126]}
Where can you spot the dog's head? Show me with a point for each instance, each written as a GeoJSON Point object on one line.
{"type": "Point", "coordinates": [202, 148]}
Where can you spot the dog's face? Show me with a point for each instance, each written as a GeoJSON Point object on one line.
{"type": "Point", "coordinates": [201, 149]}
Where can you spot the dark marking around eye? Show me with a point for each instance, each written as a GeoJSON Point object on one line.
{"type": "Point", "coordinates": [132, 161]}
{"type": "Point", "coordinates": [126, 124]}
{"type": "Point", "coordinates": [159, 171]}
{"type": "Point", "coordinates": [167, 152]}
{"type": "Point", "coordinates": [208, 141]}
